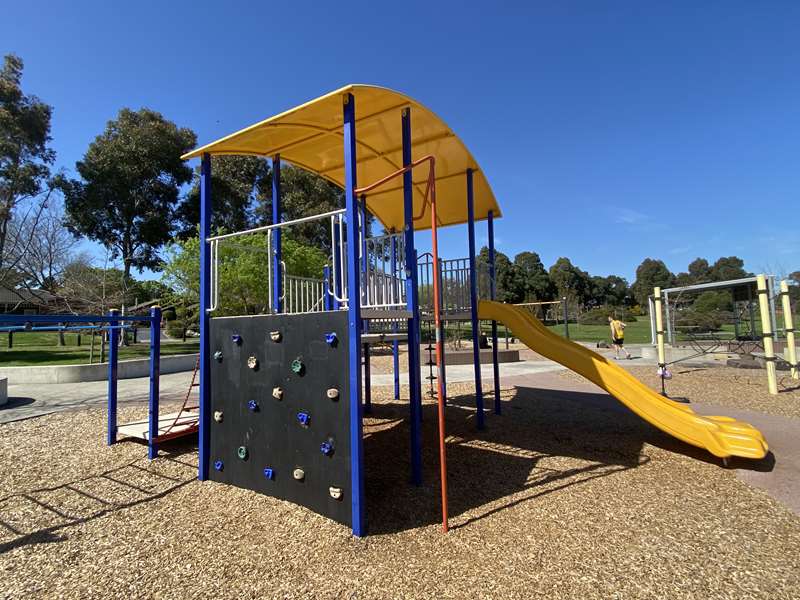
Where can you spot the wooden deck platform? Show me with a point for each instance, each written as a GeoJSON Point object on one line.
{"type": "Point", "coordinates": [186, 425]}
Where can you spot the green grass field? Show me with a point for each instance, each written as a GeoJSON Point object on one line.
{"type": "Point", "coordinates": [41, 348]}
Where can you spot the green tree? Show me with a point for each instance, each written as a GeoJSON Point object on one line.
{"type": "Point", "coordinates": [570, 282]}
{"type": "Point", "coordinates": [534, 281]}
{"type": "Point", "coordinates": [25, 156]}
{"type": "Point", "coordinates": [699, 270]}
{"type": "Point", "coordinates": [728, 267]}
{"type": "Point", "coordinates": [130, 180]}
{"type": "Point", "coordinates": [236, 182]}
{"type": "Point", "coordinates": [608, 291]}
{"type": "Point", "coordinates": [508, 284]}
{"type": "Point", "coordinates": [649, 274]}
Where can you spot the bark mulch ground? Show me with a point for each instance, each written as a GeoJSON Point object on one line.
{"type": "Point", "coordinates": [554, 499]}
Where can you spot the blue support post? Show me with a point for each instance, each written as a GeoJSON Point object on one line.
{"type": "Point", "coordinates": [277, 288]}
{"type": "Point", "coordinates": [155, 373]}
{"type": "Point", "coordinates": [412, 305]}
{"type": "Point", "coordinates": [395, 343]}
{"type": "Point", "coordinates": [204, 447]}
{"type": "Point", "coordinates": [326, 296]}
{"type": "Point", "coordinates": [367, 381]}
{"type": "Point", "coordinates": [473, 297]}
{"type": "Point", "coordinates": [354, 320]}
{"type": "Point", "coordinates": [492, 296]}
{"type": "Point", "coordinates": [113, 346]}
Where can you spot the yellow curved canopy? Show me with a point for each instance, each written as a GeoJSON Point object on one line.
{"type": "Point", "coordinates": [310, 136]}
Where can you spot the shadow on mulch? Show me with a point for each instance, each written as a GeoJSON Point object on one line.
{"type": "Point", "coordinates": [498, 467]}
{"type": "Point", "coordinates": [142, 484]}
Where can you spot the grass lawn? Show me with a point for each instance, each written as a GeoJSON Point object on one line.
{"type": "Point", "coordinates": [41, 348]}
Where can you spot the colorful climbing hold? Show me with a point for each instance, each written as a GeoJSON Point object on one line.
{"type": "Point", "coordinates": [297, 366]}
{"type": "Point", "coordinates": [218, 356]}
{"type": "Point", "coordinates": [218, 465]}
{"type": "Point", "coordinates": [275, 336]}
{"type": "Point", "coordinates": [326, 448]}
{"type": "Point", "coordinates": [236, 339]}
{"type": "Point", "coordinates": [242, 452]}
{"type": "Point", "coordinates": [252, 362]}
{"type": "Point", "coordinates": [252, 405]}
{"type": "Point", "coordinates": [304, 418]}
{"type": "Point", "coordinates": [268, 473]}
{"type": "Point", "coordinates": [333, 393]}
{"type": "Point", "coordinates": [331, 339]}
{"type": "Point", "coordinates": [299, 474]}
{"type": "Point", "coordinates": [218, 416]}
{"type": "Point", "coordinates": [277, 393]}
{"type": "Point", "coordinates": [335, 492]}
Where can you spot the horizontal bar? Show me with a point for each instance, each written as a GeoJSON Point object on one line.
{"type": "Point", "coordinates": [277, 225]}
{"type": "Point", "coordinates": [23, 319]}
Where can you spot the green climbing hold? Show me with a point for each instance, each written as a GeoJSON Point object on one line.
{"type": "Point", "coordinates": [242, 452]}
{"type": "Point", "coordinates": [297, 366]}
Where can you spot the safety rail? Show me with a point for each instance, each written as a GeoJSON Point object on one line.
{"type": "Point", "coordinates": [383, 281]}
{"type": "Point", "coordinates": [303, 294]}
{"type": "Point", "coordinates": [455, 278]}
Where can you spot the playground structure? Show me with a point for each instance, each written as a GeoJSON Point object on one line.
{"type": "Point", "coordinates": [155, 428]}
{"type": "Point", "coordinates": [282, 394]}
{"type": "Point", "coordinates": [751, 336]}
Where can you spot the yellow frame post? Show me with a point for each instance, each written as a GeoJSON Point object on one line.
{"type": "Point", "coordinates": [788, 324]}
{"type": "Point", "coordinates": [766, 333]}
{"type": "Point", "coordinates": [662, 355]}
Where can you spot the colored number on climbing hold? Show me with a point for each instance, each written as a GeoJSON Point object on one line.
{"type": "Point", "coordinates": [275, 336]}
{"type": "Point", "coordinates": [218, 465]}
{"type": "Point", "coordinates": [299, 474]}
{"type": "Point", "coordinates": [218, 416]}
{"type": "Point", "coordinates": [218, 356]}
{"type": "Point", "coordinates": [298, 367]}
{"type": "Point", "coordinates": [333, 393]}
{"type": "Point", "coordinates": [268, 473]}
{"type": "Point", "coordinates": [242, 452]}
{"type": "Point", "coordinates": [304, 419]}
{"type": "Point", "coordinates": [252, 405]}
{"type": "Point", "coordinates": [252, 363]}
{"type": "Point", "coordinates": [236, 339]}
{"type": "Point", "coordinates": [277, 393]}
{"type": "Point", "coordinates": [326, 448]}
{"type": "Point", "coordinates": [331, 339]}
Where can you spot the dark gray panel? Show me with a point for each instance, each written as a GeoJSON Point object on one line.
{"type": "Point", "coordinates": [272, 434]}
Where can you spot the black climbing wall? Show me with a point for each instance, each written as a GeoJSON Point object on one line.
{"type": "Point", "coordinates": [272, 434]}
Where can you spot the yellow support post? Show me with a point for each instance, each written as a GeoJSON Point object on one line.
{"type": "Point", "coordinates": [788, 323]}
{"type": "Point", "coordinates": [662, 360]}
{"type": "Point", "coordinates": [766, 333]}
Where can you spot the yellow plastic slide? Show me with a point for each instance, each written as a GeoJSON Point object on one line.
{"type": "Point", "coordinates": [722, 436]}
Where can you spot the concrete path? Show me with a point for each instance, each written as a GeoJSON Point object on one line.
{"type": "Point", "coordinates": [33, 400]}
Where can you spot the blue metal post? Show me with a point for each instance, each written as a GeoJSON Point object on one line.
{"type": "Point", "coordinates": [277, 288]}
{"type": "Point", "coordinates": [113, 345]}
{"type": "Point", "coordinates": [395, 343]}
{"type": "Point", "coordinates": [155, 372]}
{"type": "Point", "coordinates": [412, 305]}
{"type": "Point", "coordinates": [473, 297]}
{"type": "Point", "coordinates": [326, 286]}
{"type": "Point", "coordinates": [492, 296]}
{"type": "Point", "coordinates": [354, 320]}
{"type": "Point", "coordinates": [204, 440]}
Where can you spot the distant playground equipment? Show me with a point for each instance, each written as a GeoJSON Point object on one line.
{"type": "Point", "coordinates": [155, 428]}
{"type": "Point", "coordinates": [282, 395]}
{"type": "Point", "coordinates": [750, 338]}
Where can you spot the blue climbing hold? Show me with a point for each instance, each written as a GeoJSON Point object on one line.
{"type": "Point", "coordinates": [304, 418]}
{"type": "Point", "coordinates": [236, 339]}
{"type": "Point", "coordinates": [326, 448]}
{"type": "Point", "coordinates": [268, 473]}
{"type": "Point", "coordinates": [252, 405]}
{"type": "Point", "coordinates": [331, 339]}
{"type": "Point", "coordinates": [218, 465]}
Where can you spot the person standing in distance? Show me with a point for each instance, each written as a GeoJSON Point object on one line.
{"type": "Point", "coordinates": [618, 336]}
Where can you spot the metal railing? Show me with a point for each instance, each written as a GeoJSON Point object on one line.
{"type": "Point", "coordinates": [303, 294]}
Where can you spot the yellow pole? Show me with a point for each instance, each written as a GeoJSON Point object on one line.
{"type": "Point", "coordinates": [662, 361]}
{"type": "Point", "coordinates": [788, 323]}
{"type": "Point", "coordinates": [766, 333]}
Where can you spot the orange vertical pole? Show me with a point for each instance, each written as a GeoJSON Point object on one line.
{"type": "Point", "coordinates": [439, 349]}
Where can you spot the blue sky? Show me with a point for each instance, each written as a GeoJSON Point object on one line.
{"type": "Point", "coordinates": [609, 131]}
